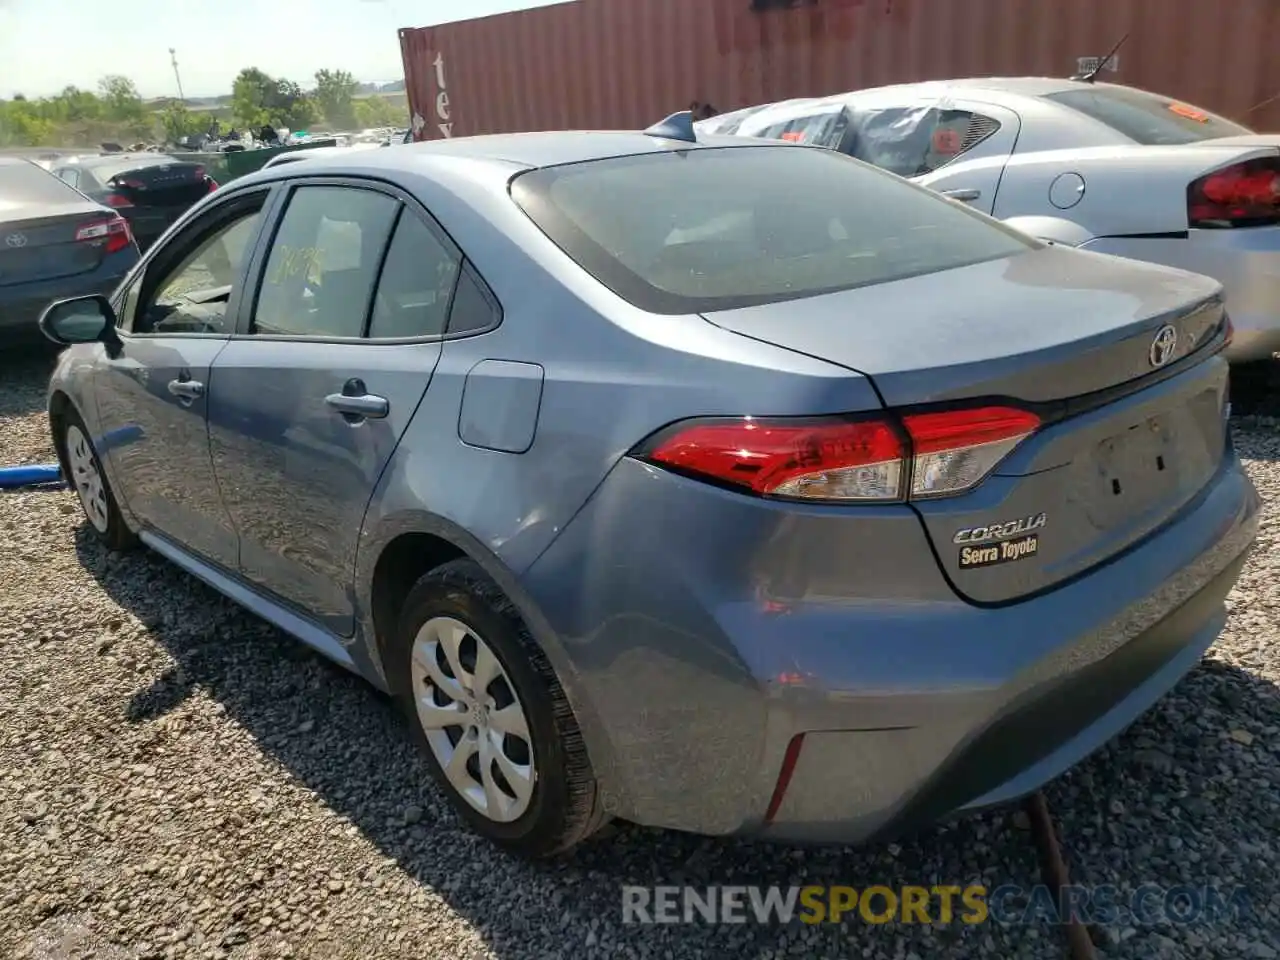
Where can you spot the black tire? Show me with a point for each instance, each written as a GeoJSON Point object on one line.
{"type": "Point", "coordinates": [115, 535]}
{"type": "Point", "coordinates": [564, 807]}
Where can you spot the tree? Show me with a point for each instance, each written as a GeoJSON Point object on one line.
{"type": "Point", "coordinates": [334, 92]}
{"type": "Point", "coordinates": [178, 122]}
{"type": "Point", "coordinates": [120, 100]}
{"type": "Point", "coordinates": [252, 98]}
{"type": "Point", "coordinates": [377, 111]}
{"type": "Point", "coordinates": [258, 98]}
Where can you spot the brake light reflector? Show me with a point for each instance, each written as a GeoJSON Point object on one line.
{"type": "Point", "coordinates": [956, 449]}
{"type": "Point", "coordinates": [843, 459]}
{"type": "Point", "coordinates": [1245, 194]}
{"type": "Point", "coordinates": [114, 230]}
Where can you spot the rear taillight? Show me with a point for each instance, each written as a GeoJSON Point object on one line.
{"type": "Point", "coordinates": [918, 456]}
{"type": "Point", "coordinates": [954, 450]}
{"type": "Point", "coordinates": [1243, 195]}
{"type": "Point", "coordinates": [117, 200]}
{"type": "Point", "coordinates": [213, 184]}
{"type": "Point", "coordinates": [113, 230]}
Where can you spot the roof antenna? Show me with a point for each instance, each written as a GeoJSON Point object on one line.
{"type": "Point", "coordinates": [678, 126]}
{"type": "Point", "coordinates": [1092, 74]}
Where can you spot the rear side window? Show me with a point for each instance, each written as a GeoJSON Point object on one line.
{"type": "Point", "coordinates": [22, 183]}
{"type": "Point", "coordinates": [324, 260]}
{"type": "Point", "coordinates": [416, 285]}
{"type": "Point", "coordinates": [713, 229]}
{"type": "Point", "coordinates": [913, 141]}
{"type": "Point", "coordinates": [1146, 118]}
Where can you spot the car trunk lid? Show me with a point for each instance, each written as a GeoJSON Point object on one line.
{"type": "Point", "coordinates": [165, 186]}
{"type": "Point", "coordinates": [1132, 428]}
{"type": "Point", "coordinates": [38, 242]}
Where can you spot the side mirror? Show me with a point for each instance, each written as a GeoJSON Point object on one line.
{"type": "Point", "coordinates": [80, 320]}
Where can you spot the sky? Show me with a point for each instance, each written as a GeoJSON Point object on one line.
{"type": "Point", "coordinates": [44, 46]}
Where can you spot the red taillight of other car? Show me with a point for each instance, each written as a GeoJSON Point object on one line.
{"type": "Point", "coordinates": [114, 230]}
{"type": "Point", "coordinates": [840, 459]}
{"type": "Point", "coordinates": [1242, 195]}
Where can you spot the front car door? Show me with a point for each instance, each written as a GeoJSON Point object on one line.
{"type": "Point", "coordinates": [329, 363]}
{"type": "Point", "coordinates": [176, 315]}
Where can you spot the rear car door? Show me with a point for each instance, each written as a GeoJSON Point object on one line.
{"type": "Point", "coordinates": [330, 361]}
{"type": "Point", "coordinates": [955, 146]}
{"type": "Point", "coordinates": [176, 315]}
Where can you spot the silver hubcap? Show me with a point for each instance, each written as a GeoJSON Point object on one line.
{"type": "Point", "coordinates": [87, 479]}
{"type": "Point", "coordinates": [473, 718]}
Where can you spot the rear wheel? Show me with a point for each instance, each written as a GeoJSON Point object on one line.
{"type": "Point", "coordinates": [86, 477]}
{"type": "Point", "coordinates": [498, 731]}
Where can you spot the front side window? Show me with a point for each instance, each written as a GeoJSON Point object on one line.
{"type": "Point", "coordinates": [1146, 118]}
{"type": "Point", "coordinates": [320, 274]}
{"type": "Point", "coordinates": [192, 296]}
{"type": "Point", "coordinates": [718, 228]}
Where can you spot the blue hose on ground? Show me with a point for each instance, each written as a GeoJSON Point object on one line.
{"type": "Point", "coordinates": [14, 478]}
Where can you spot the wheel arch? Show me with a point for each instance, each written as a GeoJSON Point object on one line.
{"type": "Point", "coordinates": [407, 546]}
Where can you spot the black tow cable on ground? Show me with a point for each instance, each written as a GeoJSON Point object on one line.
{"type": "Point", "coordinates": [1053, 872]}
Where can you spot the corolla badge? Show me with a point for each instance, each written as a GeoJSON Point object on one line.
{"type": "Point", "coordinates": [1163, 346]}
{"type": "Point", "coordinates": [15, 240]}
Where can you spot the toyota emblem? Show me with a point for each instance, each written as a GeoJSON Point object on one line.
{"type": "Point", "coordinates": [1163, 346]}
{"type": "Point", "coordinates": [15, 240]}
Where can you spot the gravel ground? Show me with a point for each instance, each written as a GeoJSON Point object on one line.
{"type": "Point", "coordinates": [179, 779]}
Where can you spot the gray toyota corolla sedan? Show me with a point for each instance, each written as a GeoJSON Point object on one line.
{"type": "Point", "coordinates": [728, 486]}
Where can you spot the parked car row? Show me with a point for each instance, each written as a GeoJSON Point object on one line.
{"type": "Point", "coordinates": [78, 225]}
{"type": "Point", "coordinates": [708, 481]}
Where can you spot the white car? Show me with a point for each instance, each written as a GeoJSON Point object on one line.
{"type": "Point", "coordinates": [1093, 165]}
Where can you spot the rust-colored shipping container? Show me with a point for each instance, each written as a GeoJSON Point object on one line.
{"type": "Point", "coordinates": [624, 64]}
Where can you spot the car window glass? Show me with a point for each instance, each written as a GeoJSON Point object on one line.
{"type": "Point", "coordinates": [718, 229]}
{"type": "Point", "coordinates": [193, 296]}
{"type": "Point", "coordinates": [1146, 118]}
{"type": "Point", "coordinates": [913, 141]}
{"type": "Point", "coordinates": [70, 175]}
{"type": "Point", "coordinates": [416, 285]}
{"type": "Point", "coordinates": [472, 309]}
{"type": "Point", "coordinates": [22, 182]}
{"type": "Point", "coordinates": [324, 260]}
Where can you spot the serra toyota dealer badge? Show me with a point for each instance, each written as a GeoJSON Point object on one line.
{"type": "Point", "coordinates": [999, 543]}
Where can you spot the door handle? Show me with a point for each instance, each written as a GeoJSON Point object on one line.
{"type": "Point", "coordinates": [187, 390]}
{"type": "Point", "coordinates": [356, 403]}
{"type": "Point", "coordinates": [964, 195]}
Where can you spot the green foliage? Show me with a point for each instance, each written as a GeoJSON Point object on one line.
{"type": "Point", "coordinates": [178, 122]}
{"type": "Point", "coordinates": [377, 111]}
{"type": "Point", "coordinates": [116, 112]}
{"type": "Point", "coordinates": [258, 98]}
{"type": "Point", "coordinates": [335, 90]}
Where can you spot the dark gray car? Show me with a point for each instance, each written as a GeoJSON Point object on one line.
{"type": "Point", "coordinates": [731, 487]}
{"type": "Point", "coordinates": [54, 243]}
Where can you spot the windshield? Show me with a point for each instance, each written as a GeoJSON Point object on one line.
{"type": "Point", "coordinates": [713, 229]}
{"type": "Point", "coordinates": [23, 183]}
{"type": "Point", "coordinates": [1146, 118]}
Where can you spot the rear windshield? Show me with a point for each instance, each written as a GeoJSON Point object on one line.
{"type": "Point", "coordinates": [714, 229]}
{"type": "Point", "coordinates": [1146, 118]}
{"type": "Point", "coordinates": [23, 183]}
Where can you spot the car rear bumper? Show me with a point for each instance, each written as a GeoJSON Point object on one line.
{"type": "Point", "coordinates": [22, 304]}
{"type": "Point", "coordinates": [710, 634]}
{"type": "Point", "coordinates": [1245, 261]}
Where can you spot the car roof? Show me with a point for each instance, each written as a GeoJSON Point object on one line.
{"type": "Point", "coordinates": [535, 150]}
